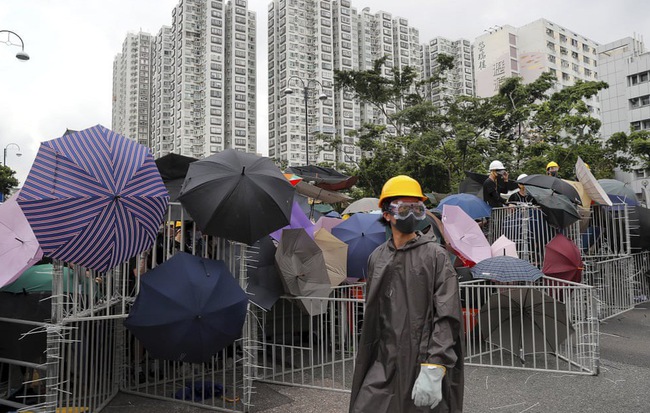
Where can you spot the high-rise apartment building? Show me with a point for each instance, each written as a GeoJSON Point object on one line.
{"type": "Point", "coordinates": [625, 66]}
{"type": "Point", "coordinates": [132, 88]}
{"type": "Point", "coordinates": [202, 80]}
{"type": "Point", "coordinates": [530, 50]}
{"type": "Point", "coordinates": [308, 41]}
{"type": "Point", "coordinates": [457, 81]}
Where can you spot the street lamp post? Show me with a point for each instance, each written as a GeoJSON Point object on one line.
{"type": "Point", "coordinates": [305, 89]}
{"type": "Point", "coordinates": [4, 157]}
{"type": "Point", "coordinates": [20, 55]}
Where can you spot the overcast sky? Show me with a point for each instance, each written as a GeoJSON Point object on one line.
{"type": "Point", "coordinates": [72, 43]}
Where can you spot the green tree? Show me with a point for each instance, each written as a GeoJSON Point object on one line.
{"type": "Point", "coordinates": [8, 181]}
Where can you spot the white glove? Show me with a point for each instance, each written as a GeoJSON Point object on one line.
{"type": "Point", "coordinates": [427, 390]}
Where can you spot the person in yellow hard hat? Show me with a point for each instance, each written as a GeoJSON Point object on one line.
{"type": "Point", "coordinates": [552, 169]}
{"type": "Point", "coordinates": [410, 358]}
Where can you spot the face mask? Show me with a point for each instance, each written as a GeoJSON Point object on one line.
{"type": "Point", "coordinates": [406, 225]}
{"type": "Point", "coordinates": [553, 173]}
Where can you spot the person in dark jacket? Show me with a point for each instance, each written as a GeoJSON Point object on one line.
{"type": "Point", "coordinates": [410, 357]}
{"type": "Point", "coordinates": [521, 196]}
{"type": "Point", "coordinates": [495, 185]}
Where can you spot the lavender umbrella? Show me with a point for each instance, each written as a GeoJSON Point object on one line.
{"type": "Point", "coordinates": [298, 220]}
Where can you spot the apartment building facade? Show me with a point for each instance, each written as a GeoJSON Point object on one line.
{"type": "Point", "coordinates": [308, 41]}
{"type": "Point", "coordinates": [457, 81]}
{"type": "Point", "coordinates": [203, 80]}
{"type": "Point", "coordinates": [625, 66]}
{"type": "Point", "coordinates": [132, 88]}
{"type": "Point", "coordinates": [530, 50]}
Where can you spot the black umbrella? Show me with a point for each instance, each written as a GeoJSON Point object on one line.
{"type": "Point", "coordinates": [236, 195]}
{"type": "Point", "coordinates": [557, 208]}
{"type": "Point", "coordinates": [324, 177]}
{"type": "Point", "coordinates": [644, 227]}
{"type": "Point", "coordinates": [173, 168]}
{"type": "Point", "coordinates": [480, 178]}
{"type": "Point", "coordinates": [553, 183]}
{"type": "Point", "coordinates": [264, 284]}
{"type": "Point", "coordinates": [525, 321]}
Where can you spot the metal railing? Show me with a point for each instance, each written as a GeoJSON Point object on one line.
{"type": "Point", "coordinates": [614, 281]}
{"type": "Point", "coordinates": [550, 325]}
{"type": "Point", "coordinates": [641, 280]}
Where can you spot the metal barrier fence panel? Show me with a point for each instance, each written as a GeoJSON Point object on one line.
{"type": "Point", "coordinates": [526, 226]}
{"type": "Point", "coordinates": [641, 280]}
{"type": "Point", "coordinates": [607, 233]}
{"type": "Point", "coordinates": [318, 351]}
{"type": "Point", "coordinates": [614, 281]}
{"type": "Point", "coordinates": [550, 325]}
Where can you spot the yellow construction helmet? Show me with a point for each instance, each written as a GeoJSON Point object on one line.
{"type": "Point", "coordinates": [401, 185]}
{"type": "Point", "coordinates": [552, 164]}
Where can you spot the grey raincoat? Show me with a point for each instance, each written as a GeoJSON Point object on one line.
{"type": "Point", "coordinates": [412, 316]}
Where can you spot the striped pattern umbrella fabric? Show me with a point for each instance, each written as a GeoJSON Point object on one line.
{"type": "Point", "coordinates": [94, 198]}
{"type": "Point", "coordinates": [506, 269]}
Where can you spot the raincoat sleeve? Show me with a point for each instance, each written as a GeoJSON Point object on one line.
{"type": "Point", "coordinates": [446, 312]}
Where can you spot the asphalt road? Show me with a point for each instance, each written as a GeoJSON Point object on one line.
{"type": "Point", "coordinates": [623, 384]}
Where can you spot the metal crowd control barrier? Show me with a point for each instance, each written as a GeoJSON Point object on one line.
{"type": "Point", "coordinates": [550, 325]}
{"type": "Point", "coordinates": [607, 233]}
{"type": "Point", "coordinates": [614, 281]}
{"type": "Point", "coordinates": [526, 226]}
{"type": "Point", "coordinates": [311, 351]}
{"type": "Point", "coordinates": [641, 280]}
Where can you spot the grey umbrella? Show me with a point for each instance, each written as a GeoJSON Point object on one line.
{"type": "Point", "coordinates": [362, 205]}
{"type": "Point", "coordinates": [236, 195]}
{"type": "Point", "coordinates": [525, 321]}
{"type": "Point", "coordinates": [303, 270]}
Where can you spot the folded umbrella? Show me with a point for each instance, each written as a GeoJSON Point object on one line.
{"type": "Point", "coordinates": [335, 253]}
{"type": "Point", "coordinates": [303, 270]}
{"type": "Point", "coordinates": [591, 185]}
{"type": "Point", "coordinates": [562, 259]}
{"type": "Point", "coordinates": [506, 269]}
{"type": "Point", "coordinates": [188, 309]}
{"type": "Point", "coordinates": [550, 182]}
{"type": "Point", "coordinates": [94, 198]}
{"type": "Point", "coordinates": [363, 233]}
{"type": "Point", "coordinates": [503, 246]}
{"type": "Point", "coordinates": [525, 321]}
{"type": "Point", "coordinates": [362, 205]}
{"type": "Point", "coordinates": [298, 220]}
{"type": "Point", "coordinates": [238, 196]}
{"type": "Point", "coordinates": [473, 206]}
{"type": "Point", "coordinates": [557, 208]}
{"type": "Point", "coordinates": [264, 286]}
{"type": "Point", "coordinates": [19, 248]}
{"type": "Point", "coordinates": [465, 236]}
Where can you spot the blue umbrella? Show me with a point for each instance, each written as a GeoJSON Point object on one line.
{"type": "Point", "coordinates": [188, 309]}
{"type": "Point", "coordinates": [94, 198]}
{"type": "Point", "coordinates": [363, 233]}
{"type": "Point", "coordinates": [473, 206]}
{"type": "Point", "coordinates": [506, 269]}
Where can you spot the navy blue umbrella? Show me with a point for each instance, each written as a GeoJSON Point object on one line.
{"type": "Point", "coordinates": [188, 309]}
{"type": "Point", "coordinates": [505, 268]}
{"type": "Point", "coordinates": [363, 233]}
{"type": "Point", "coordinates": [473, 206]}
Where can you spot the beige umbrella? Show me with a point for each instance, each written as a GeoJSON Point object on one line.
{"type": "Point", "coordinates": [585, 210]}
{"type": "Point", "coordinates": [591, 185]}
{"type": "Point", "coordinates": [362, 205]}
{"type": "Point", "coordinates": [335, 253]}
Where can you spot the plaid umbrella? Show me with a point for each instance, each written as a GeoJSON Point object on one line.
{"type": "Point", "coordinates": [94, 198]}
{"type": "Point", "coordinates": [506, 269]}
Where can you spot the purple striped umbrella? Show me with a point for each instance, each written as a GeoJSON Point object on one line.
{"type": "Point", "coordinates": [94, 198]}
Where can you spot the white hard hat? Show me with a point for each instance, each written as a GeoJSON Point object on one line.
{"type": "Point", "coordinates": [522, 176]}
{"type": "Point", "coordinates": [496, 165]}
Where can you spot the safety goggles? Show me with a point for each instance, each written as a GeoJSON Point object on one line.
{"type": "Point", "coordinates": [402, 210]}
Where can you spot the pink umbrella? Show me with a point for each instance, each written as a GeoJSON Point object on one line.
{"type": "Point", "coordinates": [298, 220]}
{"type": "Point", "coordinates": [465, 236]}
{"type": "Point", "coordinates": [327, 223]}
{"type": "Point", "coordinates": [19, 248]}
{"type": "Point", "coordinates": [503, 246]}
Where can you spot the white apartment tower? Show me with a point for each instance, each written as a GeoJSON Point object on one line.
{"type": "Point", "coordinates": [308, 41]}
{"type": "Point", "coordinates": [457, 81]}
{"type": "Point", "coordinates": [132, 88]}
{"type": "Point", "coordinates": [530, 50]}
{"type": "Point", "coordinates": [625, 66]}
{"type": "Point", "coordinates": [203, 80]}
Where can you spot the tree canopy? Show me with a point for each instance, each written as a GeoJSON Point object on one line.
{"type": "Point", "coordinates": [8, 181]}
